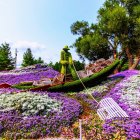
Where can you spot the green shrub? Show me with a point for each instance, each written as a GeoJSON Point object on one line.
{"type": "Point", "coordinates": [121, 65]}
{"type": "Point", "coordinates": [124, 67]}
{"type": "Point", "coordinates": [138, 67]}
{"type": "Point", "coordinates": [24, 85]}
{"type": "Point", "coordinates": [88, 81]}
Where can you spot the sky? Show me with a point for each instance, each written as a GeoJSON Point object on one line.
{"type": "Point", "coordinates": [43, 25]}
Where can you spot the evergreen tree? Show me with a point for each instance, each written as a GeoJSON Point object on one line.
{"type": "Point", "coordinates": [51, 64]}
{"type": "Point", "coordinates": [57, 66]}
{"type": "Point", "coordinates": [79, 65]}
{"type": "Point", "coordinates": [28, 58]}
{"type": "Point", "coordinates": [6, 60]}
{"type": "Point", "coordinates": [38, 61]}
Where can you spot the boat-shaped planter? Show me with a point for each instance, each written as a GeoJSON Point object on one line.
{"type": "Point", "coordinates": [76, 85]}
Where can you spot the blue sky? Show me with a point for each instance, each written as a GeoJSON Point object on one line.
{"type": "Point", "coordinates": [43, 25]}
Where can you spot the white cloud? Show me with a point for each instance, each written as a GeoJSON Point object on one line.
{"type": "Point", "coordinates": [27, 44]}
{"type": "Point", "coordinates": [46, 52]}
{"type": "Point", "coordinates": [38, 49]}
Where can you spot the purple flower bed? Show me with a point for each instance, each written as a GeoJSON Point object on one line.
{"type": "Point", "coordinates": [127, 95]}
{"type": "Point", "coordinates": [92, 104]}
{"type": "Point", "coordinates": [13, 79]}
{"type": "Point", "coordinates": [97, 92]}
{"type": "Point", "coordinates": [33, 68]}
{"type": "Point", "coordinates": [14, 125]}
{"type": "Point", "coordinates": [8, 90]}
{"type": "Point", "coordinates": [126, 73]}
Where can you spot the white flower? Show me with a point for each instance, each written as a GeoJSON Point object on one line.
{"type": "Point", "coordinates": [29, 103]}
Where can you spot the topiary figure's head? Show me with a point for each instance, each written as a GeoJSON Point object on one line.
{"type": "Point", "coordinates": [66, 48]}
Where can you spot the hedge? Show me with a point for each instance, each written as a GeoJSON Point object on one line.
{"type": "Point", "coordinates": [24, 85]}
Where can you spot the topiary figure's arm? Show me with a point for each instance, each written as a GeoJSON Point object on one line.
{"type": "Point", "coordinates": [73, 72]}
{"type": "Point", "coordinates": [70, 59]}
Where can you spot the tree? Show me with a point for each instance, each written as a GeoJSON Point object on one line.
{"type": "Point", "coordinates": [79, 65]}
{"type": "Point", "coordinates": [90, 43]}
{"type": "Point", "coordinates": [50, 64]}
{"type": "Point", "coordinates": [118, 26]}
{"type": "Point", "coordinates": [133, 45]}
{"type": "Point", "coordinates": [38, 61]}
{"type": "Point", "coordinates": [28, 58]}
{"type": "Point", "coordinates": [111, 21]}
{"type": "Point", "coordinates": [80, 28]}
{"type": "Point", "coordinates": [57, 66]}
{"type": "Point", "coordinates": [6, 60]}
{"type": "Point", "coordinates": [119, 21]}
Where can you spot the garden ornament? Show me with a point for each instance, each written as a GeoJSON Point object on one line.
{"type": "Point", "coordinates": [66, 62]}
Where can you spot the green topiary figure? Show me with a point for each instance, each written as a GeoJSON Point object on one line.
{"type": "Point", "coordinates": [66, 61]}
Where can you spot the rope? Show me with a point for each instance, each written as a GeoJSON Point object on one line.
{"type": "Point", "coordinates": [84, 85]}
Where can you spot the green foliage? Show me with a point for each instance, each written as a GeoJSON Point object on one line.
{"type": "Point", "coordinates": [88, 81]}
{"type": "Point", "coordinates": [6, 60]}
{"type": "Point", "coordinates": [38, 61]}
{"type": "Point", "coordinates": [138, 67]}
{"type": "Point", "coordinates": [113, 24]}
{"type": "Point", "coordinates": [112, 18]}
{"type": "Point", "coordinates": [50, 64]}
{"type": "Point", "coordinates": [56, 66]}
{"type": "Point", "coordinates": [121, 18]}
{"type": "Point", "coordinates": [80, 28]}
{"type": "Point", "coordinates": [28, 58]}
{"type": "Point", "coordinates": [91, 45]}
{"type": "Point", "coordinates": [124, 67]}
{"type": "Point", "coordinates": [24, 85]}
{"type": "Point", "coordinates": [118, 26]}
{"type": "Point", "coordinates": [79, 65]}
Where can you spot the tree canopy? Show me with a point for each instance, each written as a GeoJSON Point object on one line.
{"type": "Point", "coordinates": [28, 59]}
{"type": "Point", "coordinates": [89, 44]}
{"type": "Point", "coordinates": [118, 26]}
{"type": "Point", "coordinates": [6, 60]}
{"type": "Point", "coordinates": [38, 61]}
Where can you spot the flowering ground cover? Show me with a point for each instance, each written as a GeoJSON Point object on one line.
{"type": "Point", "coordinates": [8, 90]}
{"type": "Point", "coordinates": [127, 95]}
{"type": "Point", "coordinates": [32, 115]}
{"type": "Point", "coordinates": [44, 114]}
{"type": "Point", "coordinates": [28, 74]}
